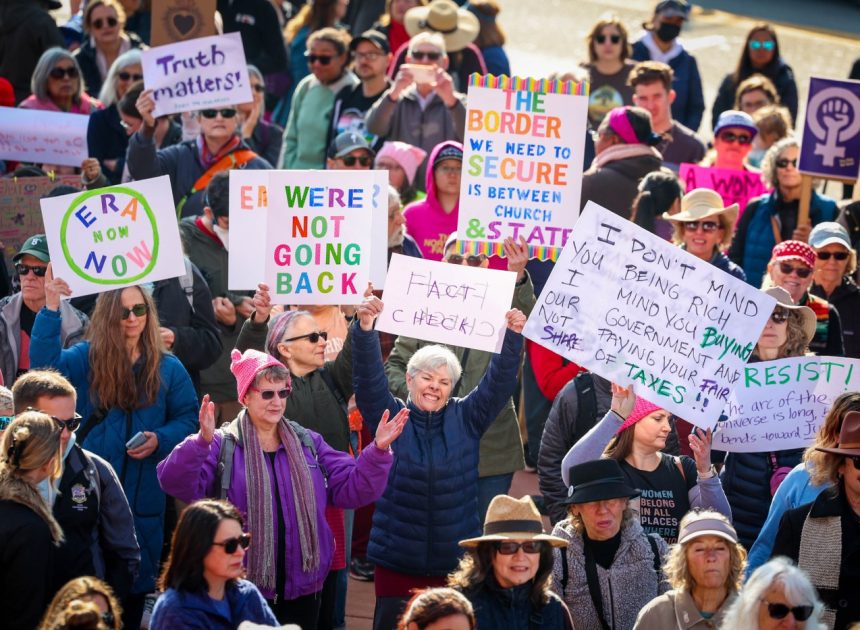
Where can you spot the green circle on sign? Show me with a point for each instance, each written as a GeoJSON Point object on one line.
{"type": "Point", "coordinates": [149, 215]}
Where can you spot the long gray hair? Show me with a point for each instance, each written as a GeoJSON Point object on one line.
{"type": "Point", "coordinates": [49, 59]}
{"type": "Point", "coordinates": [108, 95]}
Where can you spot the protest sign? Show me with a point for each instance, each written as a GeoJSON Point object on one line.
{"type": "Point", "coordinates": [55, 138]}
{"type": "Point", "coordinates": [379, 240]}
{"type": "Point", "coordinates": [781, 404]}
{"type": "Point", "coordinates": [204, 73]}
{"type": "Point", "coordinates": [633, 308]}
{"type": "Point", "coordinates": [180, 20]}
{"type": "Point", "coordinates": [733, 186]}
{"type": "Point", "coordinates": [20, 214]}
{"type": "Point", "coordinates": [522, 164]}
{"type": "Point", "coordinates": [445, 303]}
{"type": "Point", "coordinates": [249, 200]}
{"type": "Point", "coordinates": [318, 236]}
{"type": "Point", "coordinates": [114, 237]}
{"type": "Point", "coordinates": [831, 131]}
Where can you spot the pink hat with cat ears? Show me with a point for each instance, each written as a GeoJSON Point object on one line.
{"type": "Point", "coordinates": [641, 409]}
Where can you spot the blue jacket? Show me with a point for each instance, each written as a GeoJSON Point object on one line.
{"type": "Point", "coordinates": [511, 608]}
{"type": "Point", "coordinates": [431, 500]}
{"type": "Point", "coordinates": [753, 241]}
{"type": "Point", "coordinates": [107, 140]}
{"type": "Point", "coordinates": [172, 417]}
{"type": "Point", "coordinates": [689, 105]}
{"type": "Point", "coordinates": [177, 610]}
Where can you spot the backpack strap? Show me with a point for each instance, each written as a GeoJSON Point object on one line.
{"type": "Point", "coordinates": [564, 575]}
{"type": "Point", "coordinates": [186, 282]}
{"type": "Point", "coordinates": [335, 390]}
{"type": "Point", "coordinates": [307, 441]}
{"type": "Point", "coordinates": [593, 581]}
{"type": "Point", "coordinates": [656, 553]}
{"type": "Point", "coordinates": [236, 159]}
{"type": "Point", "coordinates": [223, 473]}
{"type": "Point", "coordinates": [586, 402]}
{"type": "Point", "coordinates": [680, 466]}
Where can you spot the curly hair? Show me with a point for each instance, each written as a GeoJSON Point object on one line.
{"type": "Point", "coordinates": [768, 163]}
{"type": "Point", "coordinates": [433, 604]}
{"type": "Point", "coordinates": [796, 344]}
{"type": "Point", "coordinates": [823, 467]}
{"type": "Point", "coordinates": [82, 589]}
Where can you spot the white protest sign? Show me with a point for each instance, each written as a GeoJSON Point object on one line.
{"type": "Point", "coordinates": [318, 236]}
{"type": "Point", "coordinates": [203, 73]}
{"type": "Point", "coordinates": [781, 404]}
{"type": "Point", "coordinates": [29, 135]}
{"type": "Point", "coordinates": [379, 241]}
{"type": "Point", "coordinates": [249, 193]}
{"type": "Point", "coordinates": [633, 308]}
{"type": "Point", "coordinates": [522, 164]}
{"type": "Point", "coordinates": [114, 237]}
{"type": "Point", "coordinates": [445, 303]}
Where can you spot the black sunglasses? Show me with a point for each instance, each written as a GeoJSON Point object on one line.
{"type": "Point", "coordinates": [779, 316]}
{"type": "Point", "coordinates": [211, 113]}
{"type": "Point", "coordinates": [855, 459]}
{"type": "Point", "coordinates": [5, 421]}
{"type": "Point", "coordinates": [780, 611]}
{"type": "Point", "coordinates": [139, 310]}
{"type": "Point", "coordinates": [430, 56]}
{"type": "Point", "coordinates": [269, 394]}
{"type": "Point", "coordinates": [71, 424]}
{"type": "Point", "coordinates": [323, 60]}
{"type": "Point", "coordinates": [59, 73]}
{"type": "Point", "coordinates": [472, 261]}
{"type": "Point", "coordinates": [510, 548]}
{"type": "Point", "coordinates": [707, 226]}
{"type": "Point", "coordinates": [802, 272]}
{"type": "Point", "coordinates": [99, 23]}
{"type": "Point", "coordinates": [313, 337]}
{"type": "Point", "coordinates": [23, 270]}
{"type": "Point", "coordinates": [232, 544]}
{"type": "Point", "coordinates": [601, 39]}
{"type": "Point", "coordinates": [784, 162]}
{"type": "Point", "coordinates": [128, 76]}
{"type": "Point", "coordinates": [258, 88]}
{"type": "Point", "coordinates": [350, 160]}
{"type": "Point", "coordinates": [836, 255]}
{"type": "Point", "coordinates": [733, 137]}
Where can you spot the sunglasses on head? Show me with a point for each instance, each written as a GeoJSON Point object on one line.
{"type": "Point", "coordinates": [472, 261]}
{"type": "Point", "coordinates": [780, 611]}
{"type": "Point", "coordinates": [139, 310]}
{"type": "Point", "coordinates": [323, 60]}
{"type": "Point", "coordinates": [707, 226]}
{"type": "Point", "coordinates": [59, 73]}
{"type": "Point", "coordinates": [128, 76]}
{"type": "Point", "coordinates": [4, 422]}
{"type": "Point", "coordinates": [601, 39]}
{"type": "Point", "coordinates": [734, 137]}
{"type": "Point", "coordinates": [313, 337]}
{"type": "Point", "coordinates": [784, 162]}
{"type": "Point", "coordinates": [757, 45]}
{"type": "Point", "coordinates": [228, 112]}
{"type": "Point", "coordinates": [232, 544]}
{"type": "Point", "coordinates": [836, 255]}
{"type": "Point", "coordinates": [350, 160]}
{"type": "Point", "coordinates": [779, 316]}
{"type": "Point", "coordinates": [99, 23]}
{"type": "Point", "coordinates": [23, 270]}
{"type": "Point", "coordinates": [420, 55]}
{"type": "Point", "coordinates": [269, 394]}
{"type": "Point", "coordinates": [802, 272]}
{"type": "Point", "coordinates": [510, 548]}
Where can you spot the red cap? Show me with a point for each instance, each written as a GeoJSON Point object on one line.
{"type": "Point", "coordinates": [797, 250]}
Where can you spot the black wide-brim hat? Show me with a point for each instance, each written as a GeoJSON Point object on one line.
{"type": "Point", "coordinates": [598, 480]}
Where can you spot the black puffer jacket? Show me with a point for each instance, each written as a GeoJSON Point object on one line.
{"type": "Point", "coordinates": [511, 608]}
{"type": "Point", "coordinates": [846, 300]}
{"type": "Point", "coordinates": [613, 184]}
{"type": "Point", "coordinates": [26, 31]}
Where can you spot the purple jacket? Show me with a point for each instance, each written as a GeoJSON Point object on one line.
{"type": "Point", "coordinates": [189, 473]}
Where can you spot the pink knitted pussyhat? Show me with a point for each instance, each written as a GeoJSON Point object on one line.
{"type": "Point", "coordinates": [245, 367]}
{"type": "Point", "coordinates": [641, 409]}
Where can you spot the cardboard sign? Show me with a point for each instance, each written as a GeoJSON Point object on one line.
{"type": "Point", "coordinates": [445, 303]}
{"type": "Point", "coordinates": [379, 230]}
{"type": "Point", "coordinates": [318, 236]}
{"type": "Point", "coordinates": [733, 186]}
{"type": "Point", "coordinates": [41, 137]}
{"type": "Point", "coordinates": [781, 404]}
{"type": "Point", "coordinates": [181, 20]}
{"type": "Point", "coordinates": [204, 73]}
{"type": "Point", "coordinates": [522, 164]}
{"type": "Point", "coordinates": [633, 308]}
{"type": "Point", "coordinates": [831, 131]}
{"type": "Point", "coordinates": [114, 237]}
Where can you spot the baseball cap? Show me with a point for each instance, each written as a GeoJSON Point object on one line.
{"type": "Point", "coordinates": [346, 142]}
{"type": "Point", "coordinates": [450, 152]}
{"type": "Point", "coordinates": [828, 233]}
{"type": "Point", "coordinates": [673, 8]}
{"type": "Point", "coordinates": [374, 37]}
{"type": "Point", "coordinates": [735, 118]}
{"type": "Point", "coordinates": [696, 525]}
{"type": "Point", "coordinates": [36, 246]}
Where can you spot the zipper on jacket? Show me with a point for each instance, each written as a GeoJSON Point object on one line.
{"type": "Point", "coordinates": [429, 442]}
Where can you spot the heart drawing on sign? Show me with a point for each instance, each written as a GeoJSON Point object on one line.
{"type": "Point", "coordinates": [183, 23]}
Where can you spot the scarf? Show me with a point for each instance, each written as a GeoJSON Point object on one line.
{"type": "Point", "coordinates": [13, 488]}
{"type": "Point", "coordinates": [623, 152]}
{"type": "Point", "coordinates": [818, 534]}
{"type": "Point", "coordinates": [207, 158]}
{"type": "Point", "coordinates": [261, 520]}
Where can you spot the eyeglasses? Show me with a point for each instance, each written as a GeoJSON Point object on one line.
{"type": "Point", "coordinates": [707, 226]}
{"type": "Point", "coordinates": [510, 548]}
{"type": "Point", "coordinates": [601, 39]}
{"type": "Point", "coordinates": [128, 76]}
{"type": "Point", "coordinates": [350, 160]}
{"type": "Point", "coordinates": [449, 170]}
{"type": "Point", "coordinates": [58, 73]}
{"type": "Point", "coordinates": [23, 270]}
{"type": "Point", "coordinates": [420, 55]}
{"type": "Point", "coordinates": [228, 112]}
{"type": "Point", "coordinates": [4, 422]}
{"type": "Point", "coordinates": [802, 272]}
{"type": "Point", "coordinates": [472, 261]}
{"type": "Point", "coordinates": [269, 394]}
{"type": "Point", "coordinates": [139, 310]}
{"type": "Point", "coordinates": [370, 56]}
{"type": "Point", "coordinates": [313, 337]}
{"type": "Point", "coordinates": [783, 163]}
{"type": "Point", "coordinates": [779, 316]}
{"type": "Point", "coordinates": [99, 23]}
{"type": "Point", "coordinates": [258, 88]}
{"type": "Point", "coordinates": [767, 45]}
{"type": "Point", "coordinates": [323, 60]}
{"type": "Point", "coordinates": [71, 424]}
{"type": "Point", "coordinates": [730, 137]}
{"type": "Point", "coordinates": [232, 544]}
{"type": "Point", "coordinates": [129, 127]}
{"type": "Point", "coordinates": [836, 255]}
{"type": "Point", "coordinates": [780, 611]}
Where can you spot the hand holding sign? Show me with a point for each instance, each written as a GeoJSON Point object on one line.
{"type": "Point", "coordinates": [145, 106]}
{"type": "Point", "coordinates": [55, 289]}
{"type": "Point", "coordinates": [623, 400]}
{"type": "Point", "coordinates": [515, 320]}
{"type": "Point", "coordinates": [262, 303]}
{"type": "Point", "coordinates": [369, 309]}
{"type": "Point", "coordinates": [517, 255]}
{"type": "Point", "coordinates": [700, 444]}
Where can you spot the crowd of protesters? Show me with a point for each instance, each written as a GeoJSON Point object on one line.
{"type": "Point", "coordinates": [182, 455]}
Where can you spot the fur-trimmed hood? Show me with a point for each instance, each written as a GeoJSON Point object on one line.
{"type": "Point", "coordinates": [13, 488]}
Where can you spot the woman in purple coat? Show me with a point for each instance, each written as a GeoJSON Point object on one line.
{"type": "Point", "coordinates": [281, 476]}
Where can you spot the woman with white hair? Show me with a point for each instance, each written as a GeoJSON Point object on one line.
{"type": "Point", "coordinates": [56, 85]}
{"type": "Point", "coordinates": [262, 137]}
{"type": "Point", "coordinates": [777, 594]}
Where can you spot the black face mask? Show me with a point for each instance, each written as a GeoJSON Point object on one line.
{"type": "Point", "coordinates": [667, 32]}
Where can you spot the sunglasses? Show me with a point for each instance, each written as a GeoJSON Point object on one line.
{"type": "Point", "coordinates": [829, 255]}
{"type": "Point", "coordinates": [323, 60]}
{"type": "Point", "coordinates": [4, 422]}
{"type": "Point", "coordinates": [510, 548]}
{"type": "Point", "coordinates": [139, 310]}
{"type": "Point", "coordinates": [350, 160]}
{"type": "Point", "coordinates": [59, 73]}
{"type": "Point", "coordinates": [420, 55]}
{"type": "Point", "coordinates": [128, 76]}
{"type": "Point", "coordinates": [269, 394]}
{"type": "Point", "coordinates": [855, 459]}
{"type": "Point", "coordinates": [601, 39]}
{"type": "Point", "coordinates": [258, 88]}
{"type": "Point", "coordinates": [780, 611]}
{"type": "Point", "coordinates": [730, 137]}
{"type": "Point", "coordinates": [802, 272]}
{"type": "Point", "coordinates": [779, 317]}
{"type": "Point", "coordinates": [472, 261]}
{"type": "Point", "coordinates": [99, 23]}
{"type": "Point", "coordinates": [211, 113]}
{"type": "Point", "coordinates": [784, 162]}
{"type": "Point", "coordinates": [313, 337]}
{"type": "Point", "coordinates": [232, 544]}
{"type": "Point", "coordinates": [71, 424]}
{"type": "Point", "coordinates": [23, 270]}
{"type": "Point", "coordinates": [370, 56]}
{"type": "Point", "coordinates": [707, 226]}
{"type": "Point", "coordinates": [768, 45]}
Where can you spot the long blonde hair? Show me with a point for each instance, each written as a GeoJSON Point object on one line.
{"type": "Point", "coordinates": [29, 442]}
{"type": "Point", "coordinates": [824, 467]}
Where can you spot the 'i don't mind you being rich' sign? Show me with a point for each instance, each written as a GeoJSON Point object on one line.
{"type": "Point", "coordinates": [114, 237]}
